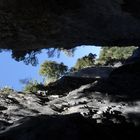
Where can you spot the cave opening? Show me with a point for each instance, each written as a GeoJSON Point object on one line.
{"type": "Point", "coordinates": [92, 94]}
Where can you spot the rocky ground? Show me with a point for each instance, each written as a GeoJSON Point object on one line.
{"type": "Point", "coordinates": [96, 107]}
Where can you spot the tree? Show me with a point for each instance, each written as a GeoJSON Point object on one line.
{"type": "Point", "coordinates": [68, 52]}
{"type": "Point", "coordinates": [52, 70]}
{"type": "Point", "coordinates": [28, 56]}
{"type": "Point", "coordinates": [109, 55]}
{"type": "Point", "coordinates": [33, 86]}
{"type": "Point", "coordinates": [85, 61]}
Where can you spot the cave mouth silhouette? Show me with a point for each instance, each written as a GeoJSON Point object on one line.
{"type": "Point", "coordinates": [132, 7]}
{"type": "Point", "coordinates": [23, 29]}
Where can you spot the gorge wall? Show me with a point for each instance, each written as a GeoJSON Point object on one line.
{"type": "Point", "coordinates": [36, 24]}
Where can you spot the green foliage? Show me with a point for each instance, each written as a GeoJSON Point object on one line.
{"type": "Point", "coordinates": [28, 56]}
{"type": "Point", "coordinates": [33, 87]}
{"type": "Point", "coordinates": [52, 70]}
{"type": "Point", "coordinates": [68, 52]}
{"type": "Point", "coordinates": [51, 52]}
{"type": "Point", "coordinates": [85, 61]}
{"type": "Point", "coordinates": [109, 54]}
{"type": "Point", "coordinates": [6, 90]}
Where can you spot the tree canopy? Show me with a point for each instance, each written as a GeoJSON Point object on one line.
{"type": "Point", "coordinates": [110, 54]}
{"type": "Point", "coordinates": [88, 60]}
{"type": "Point", "coordinates": [30, 56]}
{"type": "Point", "coordinates": [33, 86]}
{"type": "Point", "coordinates": [52, 70]}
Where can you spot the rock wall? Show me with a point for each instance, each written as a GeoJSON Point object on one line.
{"type": "Point", "coordinates": [36, 24]}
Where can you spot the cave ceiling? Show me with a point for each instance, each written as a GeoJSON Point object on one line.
{"type": "Point", "coordinates": [33, 24]}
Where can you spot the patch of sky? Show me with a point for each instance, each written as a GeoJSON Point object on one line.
{"type": "Point", "coordinates": [11, 71]}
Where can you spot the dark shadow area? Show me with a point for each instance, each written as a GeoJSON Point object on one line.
{"type": "Point", "coordinates": [123, 83]}
{"type": "Point", "coordinates": [133, 7]}
{"type": "Point", "coordinates": [66, 84]}
{"type": "Point", "coordinates": [38, 7]}
{"type": "Point", "coordinates": [72, 127]}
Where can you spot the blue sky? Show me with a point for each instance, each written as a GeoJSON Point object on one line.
{"type": "Point", "coordinates": [11, 71]}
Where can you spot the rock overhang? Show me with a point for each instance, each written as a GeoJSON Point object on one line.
{"type": "Point", "coordinates": [37, 24]}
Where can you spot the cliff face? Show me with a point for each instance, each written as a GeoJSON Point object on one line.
{"type": "Point", "coordinates": [97, 110]}
{"type": "Point", "coordinates": [36, 24]}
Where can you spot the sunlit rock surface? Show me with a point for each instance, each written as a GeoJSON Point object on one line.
{"type": "Point", "coordinates": [93, 72]}
{"type": "Point", "coordinates": [28, 24]}
{"type": "Point", "coordinates": [104, 106]}
{"type": "Point", "coordinates": [78, 115]}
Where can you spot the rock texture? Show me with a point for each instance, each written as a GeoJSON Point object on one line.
{"type": "Point", "coordinates": [93, 72]}
{"type": "Point", "coordinates": [31, 25]}
{"type": "Point", "coordinates": [69, 127]}
{"type": "Point", "coordinates": [96, 108]}
{"type": "Point", "coordinates": [78, 115]}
